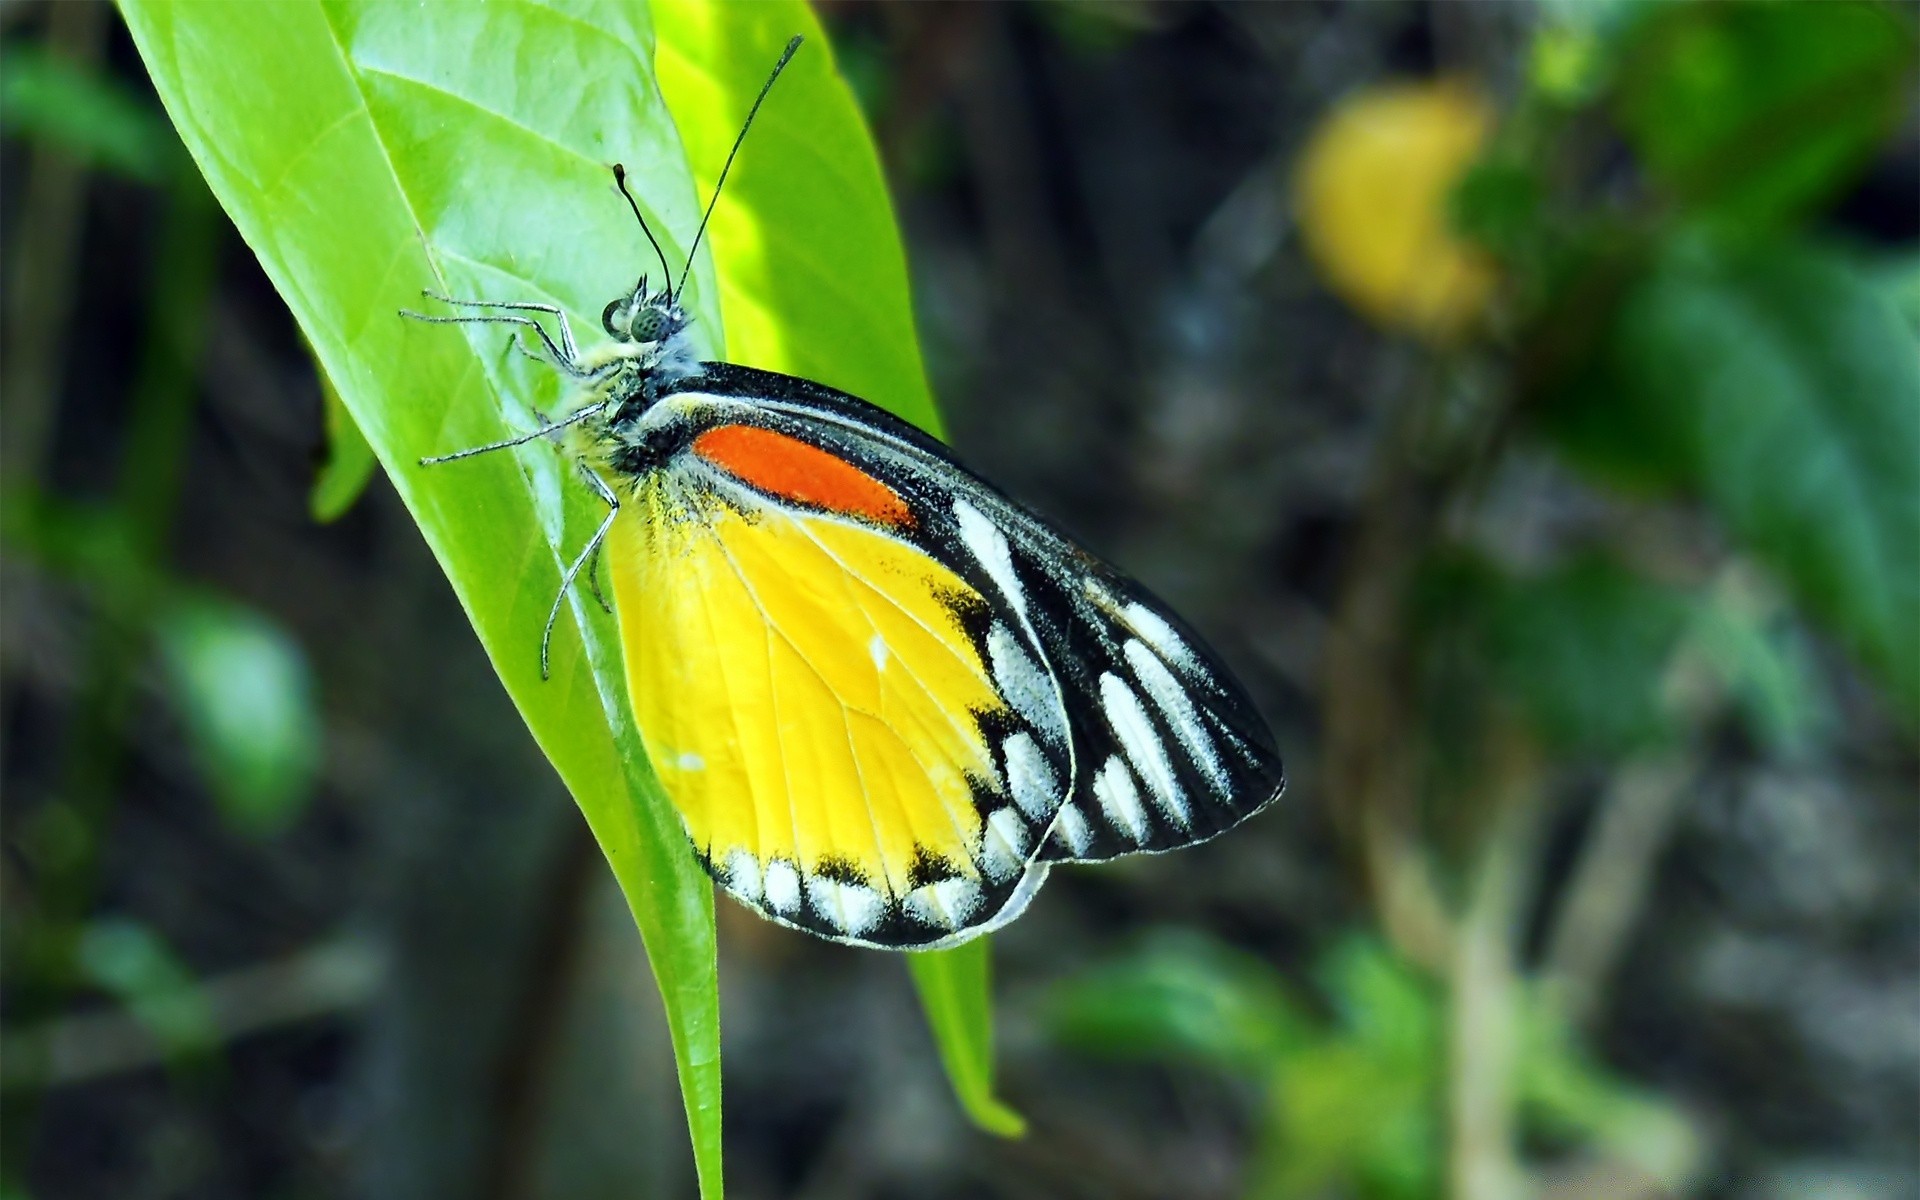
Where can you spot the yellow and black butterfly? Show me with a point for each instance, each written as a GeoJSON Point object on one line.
{"type": "Point", "coordinates": [883, 697]}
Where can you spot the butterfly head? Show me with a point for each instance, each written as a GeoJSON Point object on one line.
{"type": "Point", "coordinates": [645, 317]}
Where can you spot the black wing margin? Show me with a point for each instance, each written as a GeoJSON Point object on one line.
{"type": "Point", "coordinates": [1167, 750]}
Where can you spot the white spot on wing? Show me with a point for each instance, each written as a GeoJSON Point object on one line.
{"type": "Point", "coordinates": [1153, 629]}
{"type": "Point", "coordinates": [1120, 800]}
{"type": "Point", "coordinates": [690, 762]}
{"type": "Point", "coordinates": [1003, 844]}
{"type": "Point", "coordinates": [986, 543]}
{"type": "Point", "coordinates": [1143, 746]}
{"type": "Point", "coordinates": [1174, 704]}
{"type": "Point", "coordinates": [948, 904]}
{"type": "Point", "coordinates": [1029, 777]}
{"type": "Point", "coordinates": [878, 649]}
{"type": "Point", "coordinates": [1072, 830]}
{"type": "Point", "coordinates": [743, 875]}
{"type": "Point", "coordinates": [853, 908]}
{"type": "Point", "coordinates": [783, 886]}
{"type": "Point", "coordinates": [1024, 685]}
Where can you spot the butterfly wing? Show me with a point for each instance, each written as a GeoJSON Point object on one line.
{"type": "Point", "coordinates": [825, 701]}
{"type": "Point", "coordinates": [882, 696]}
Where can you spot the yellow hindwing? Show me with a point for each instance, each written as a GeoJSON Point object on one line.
{"type": "Point", "coordinates": [805, 691]}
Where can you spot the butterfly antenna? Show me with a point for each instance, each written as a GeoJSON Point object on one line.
{"type": "Point", "coordinates": [766, 87]}
{"type": "Point", "coordinates": [620, 179]}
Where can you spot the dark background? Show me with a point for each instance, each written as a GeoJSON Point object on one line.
{"type": "Point", "coordinates": [294, 908]}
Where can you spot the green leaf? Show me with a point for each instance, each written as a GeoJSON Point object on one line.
{"type": "Point", "coordinates": [246, 696]}
{"type": "Point", "coordinates": [1566, 1094]}
{"type": "Point", "coordinates": [956, 990]}
{"type": "Point", "coordinates": [350, 461]}
{"type": "Point", "coordinates": [1785, 390]}
{"type": "Point", "coordinates": [1761, 664]}
{"type": "Point", "coordinates": [1757, 112]}
{"type": "Point", "coordinates": [1181, 996]}
{"type": "Point", "coordinates": [367, 151]}
{"type": "Point", "coordinates": [93, 116]}
{"type": "Point", "coordinates": [135, 966]}
{"type": "Point", "coordinates": [814, 278]}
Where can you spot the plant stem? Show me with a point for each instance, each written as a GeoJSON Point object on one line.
{"type": "Point", "coordinates": [1484, 1020]}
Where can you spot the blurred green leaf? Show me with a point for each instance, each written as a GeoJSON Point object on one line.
{"type": "Point", "coordinates": [1568, 1096]}
{"type": "Point", "coordinates": [1360, 1104]}
{"type": "Point", "coordinates": [1583, 648]}
{"type": "Point", "coordinates": [1762, 665]}
{"type": "Point", "coordinates": [93, 116]}
{"type": "Point", "coordinates": [1381, 998]}
{"type": "Point", "coordinates": [1775, 382]}
{"type": "Point", "coordinates": [1181, 996]}
{"type": "Point", "coordinates": [1567, 61]}
{"type": "Point", "coordinates": [246, 696]}
{"type": "Point", "coordinates": [956, 990]}
{"type": "Point", "coordinates": [350, 461]}
{"type": "Point", "coordinates": [132, 964]}
{"type": "Point", "coordinates": [1757, 112]}
{"type": "Point", "coordinates": [1498, 204]}
{"type": "Point", "coordinates": [1898, 279]}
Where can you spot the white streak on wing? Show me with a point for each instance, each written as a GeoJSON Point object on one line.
{"type": "Point", "coordinates": [949, 904]}
{"type": "Point", "coordinates": [1120, 800]}
{"type": "Point", "coordinates": [743, 876]}
{"type": "Point", "coordinates": [1024, 685]}
{"type": "Point", "coordinates": [1154, 631]}
{"type": "Point", "coordinates": [1143, 746]}
{"type": "Point", "coordinates": [1029, 777]}
{"type": "Point", "coordinates": [689, 761]}
{"type": "Point", "coordinates": [987, 544]}
{"type": "Point", "coordinates": [1071, 828]}
{"type": "Point", "coordinates": [1003, 844]}
{"type": "Point", "coordinates": [852, 908]}
{"type": "Point", "coordinates": [783, 886]}
{"type": "Point", "coordinates": [878, 649]}
{"type": "Point", "coordinates": [1177, 707]}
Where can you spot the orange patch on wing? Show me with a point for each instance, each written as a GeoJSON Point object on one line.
{"type": "Point", "coordinates": [793, 470]}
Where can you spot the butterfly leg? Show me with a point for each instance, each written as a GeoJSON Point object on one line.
{"type": "Point", "coordinates": [572, 418]}
{"type": "Point", "coordinates": [589, 554]}
{"type": "Point", "coordinates": [554, 310]}
{"type": "Point", "coordinates": [600, 487]}
{"type": "Point", "coordinates": [561, 358]}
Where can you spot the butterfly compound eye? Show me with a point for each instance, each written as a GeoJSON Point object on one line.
{"type": "Point", "coordinates": [649, 325]}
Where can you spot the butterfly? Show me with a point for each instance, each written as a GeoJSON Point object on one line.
{"type": "Point", "coordinates": [883, 697]}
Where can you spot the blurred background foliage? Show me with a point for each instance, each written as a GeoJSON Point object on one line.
{"type": "Point", "coordinates": [1523, 397]}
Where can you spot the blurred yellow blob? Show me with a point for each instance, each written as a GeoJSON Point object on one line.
{"type": "Point", "coordinates": [1372, 189]}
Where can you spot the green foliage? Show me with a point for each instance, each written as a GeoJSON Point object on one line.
{"type": "Point", "coordinates": [350, 462]}
{"type": "Point", "coordinates": [1754, 113]}
{"type": "Point", "coordinates": [1353, 1098]}
{"type": "Point", "coordinates": [1772, 381]}
{"type": "Point", "coordinates": [365, 152]}
{"type": "Point", "coordinates": [246, 698]}
{"type": "Point", "coordinates": [1181, 997]}
{"type": "Point", "coordinates": [94, 117]}
{"type": "Point", "coordinates": [1581, 649]}
{"type": "Point", "coordinates": [956, 989]}
{"type": "Point", "coordinates": [812, 273]}
{"type": "Point", "coordinates": [131, 963]}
